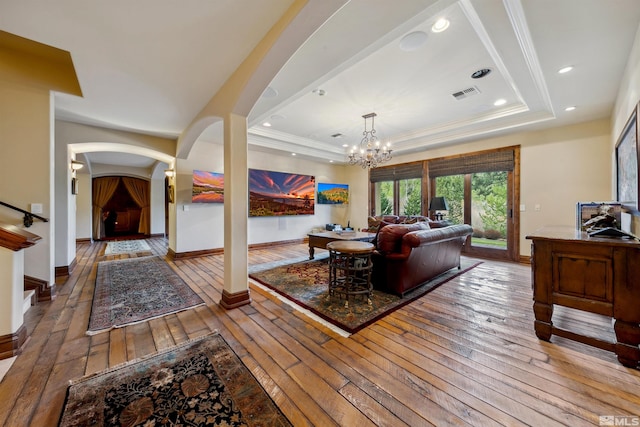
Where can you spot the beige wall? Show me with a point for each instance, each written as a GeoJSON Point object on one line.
{"type": "Point", "coordinates": [26, 169]}
{"type": "Point", "coordinates": [559, 167]}
{"type": "Point", "coordinates": [628, 98]}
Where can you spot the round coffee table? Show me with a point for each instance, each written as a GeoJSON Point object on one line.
{"type": "Point", "coordinates": [350, 269]}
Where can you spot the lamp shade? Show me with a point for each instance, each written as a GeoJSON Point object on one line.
{"type": "Point", "coordinates": [438, 204]}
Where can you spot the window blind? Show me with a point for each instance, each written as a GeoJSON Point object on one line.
{"type": "Point", "coordinates": [392, 173]}
{"type": "Point", "coordinates": [493, 161]}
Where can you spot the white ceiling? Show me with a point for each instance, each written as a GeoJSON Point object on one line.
{"type": "Point", "coordinates": [151, 65]}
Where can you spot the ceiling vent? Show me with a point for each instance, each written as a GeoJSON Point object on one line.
{"type": "Point", "coordinates": [465, 93]}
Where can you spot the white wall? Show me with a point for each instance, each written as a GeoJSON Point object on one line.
{"type": "Point", "coordinates": [200, 226]}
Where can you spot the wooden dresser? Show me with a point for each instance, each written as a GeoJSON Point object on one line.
{"type": "Point", "coordinates": [597, 275]}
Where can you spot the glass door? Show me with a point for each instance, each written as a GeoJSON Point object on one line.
{"type": "Point", "coordinates": [482, 200]}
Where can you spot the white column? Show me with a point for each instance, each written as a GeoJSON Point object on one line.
{"type": "Point", "coordinates": [236, 208]}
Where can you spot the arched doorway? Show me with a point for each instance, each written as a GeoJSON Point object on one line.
{"type": "Point", "coordinates": [121, 207]}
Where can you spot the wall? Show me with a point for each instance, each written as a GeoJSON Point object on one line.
{"type": "Point", "coordinates": [559, 167]}
{"type": "Point", "coordinates": [83, 205]}
{"type": "Point", "coordinates": [200, 226]}
{"type": "Point", "coordinates": [628, 98]}
{"type": "Point", "coordinates": [26, 168]}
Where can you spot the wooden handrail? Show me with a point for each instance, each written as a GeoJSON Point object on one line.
{"type": "Point", "coordinates": [28, 216]}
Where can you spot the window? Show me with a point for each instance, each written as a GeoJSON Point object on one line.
{"type": "Point", "coordinates": [397, 190]}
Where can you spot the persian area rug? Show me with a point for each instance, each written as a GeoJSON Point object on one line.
{"type": "Point", "coordinates": [133, 290]}
{"type": "Point", "coordinates": [126, 246]}
{"type": "Point", "coordinates": [307, 284]}
{"type": "Point", "coordinates": [201, 382]}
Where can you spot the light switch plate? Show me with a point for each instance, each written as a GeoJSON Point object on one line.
{"type": "Point", "coordinates": [36, 208]}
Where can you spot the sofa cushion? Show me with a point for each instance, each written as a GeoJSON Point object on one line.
{"type": "Point", "coordinates": [382, 225]}
{"type": "Point", "coordinates": [389, 238]}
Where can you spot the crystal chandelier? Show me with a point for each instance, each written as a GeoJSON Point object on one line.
{"type": "Point", "coordinates": [370, 154]}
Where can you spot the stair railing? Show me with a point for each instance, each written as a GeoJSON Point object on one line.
{"type": "Point", "coordinates": [28, 216]}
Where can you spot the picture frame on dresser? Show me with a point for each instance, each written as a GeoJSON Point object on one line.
{"type": "Point", "coordinates": [627, 177]}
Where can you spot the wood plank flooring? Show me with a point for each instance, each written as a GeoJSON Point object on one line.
{"type": "Point", "coordinates": [464, 354]}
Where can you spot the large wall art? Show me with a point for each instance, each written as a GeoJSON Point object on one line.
{"type": "Point", "coordinates": [627, 163]}
{"type": "Point", "coordinates": [279, 193]}
{"type": "Point", "coordinates": [208, 187]}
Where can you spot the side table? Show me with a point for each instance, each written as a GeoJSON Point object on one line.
{"type": "Point", "coordinates": [350, 269]}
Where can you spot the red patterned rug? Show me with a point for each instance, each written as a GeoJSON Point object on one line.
{"type": "Point", "coordinates": [134, 290]}
{"type": "Point", "coordinates": [201, 382]}
{"type": "Point", "coordinates": [306, 284]}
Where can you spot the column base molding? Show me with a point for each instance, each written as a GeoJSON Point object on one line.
{"type": "Point", "coordinates": [230, 301]}
{"type": "Point", "coordinates": [11, 344]}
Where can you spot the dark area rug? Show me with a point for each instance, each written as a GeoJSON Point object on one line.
{"type": "Point", "coordinates": [306, 284]}
{"type": "Point", "coordinates": [137, 289]}
{"type": "Point", "coordinates": [201, 382]}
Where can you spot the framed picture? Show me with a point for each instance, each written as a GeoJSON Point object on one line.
{"type": "Point", "coordinates": [74, 186]}
{"type": "Point", "coordinates": [332, 194]}
{"type": "Point", "coordinates": [627, 163]}
{"type": "Point", "coordinates": [208, 187]}
{"type": "Point", "coordinates": [171, 194]}
{"type": "Point", "coordinates": [280, 193]}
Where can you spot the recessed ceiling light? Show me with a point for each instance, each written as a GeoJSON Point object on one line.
{"type": "Point", "coordinates": [293, 154]}
{"type": "Point", "coordinates": [565, 69]}
{"type": "Point", "coordinates": [413, 41]}
{"type": "Point", "coordinates": [440, 25]}
{"type": "Point", "coordinates": [345, 145]}
{"type": "Point", "coordinates": [480, 73]}
{"type": "Point", "coordinates": [266, 124]}
{"type": "Point", "coordinates": [500, 102]}
{"type": "Point", "coordinates": [330, 161]}
{"type": "Point", "coordinates": [571, 108]}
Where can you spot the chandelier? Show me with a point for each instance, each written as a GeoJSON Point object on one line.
{"type": "Point", "coordinates": [370, 154]}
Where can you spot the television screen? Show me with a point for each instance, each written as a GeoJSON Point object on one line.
{"type": "Point", "coordinates": [280, 193]}
{"type": "Point", "coordinates": [332, 194]}
{"type": "Point", "coordinates": [208, 187]}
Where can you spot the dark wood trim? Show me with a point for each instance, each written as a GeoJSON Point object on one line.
{"type": "Point", "coordinates": [12, 344]}
{"type": "Point", "coordinates": [156, 235]}
{"type": "Point", "coordinates": [14, 238]}
{"type": "Point", "coordinates": [66, 270]}
{"type": "Point", "coordinates": [84, 240]}
{"type": "Point", "coordinates": [193, 254]}
{"type": "Point", "coordinates": [230, 301]}
{"type": "Point", "coordinates": [524, 259]}
{"type": "Point", "coordinates": [41, 287]}
{"type": "Point", "coordinates": [219, 251]}
{"type": "Point", "coordinates": [267, 245]}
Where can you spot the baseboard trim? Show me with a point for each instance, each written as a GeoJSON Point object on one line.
{"type": "Point", "coordinates": [219, 251]}
{"type": "Point", "coordinates": [66, 270]}
{"type": "Point", "coordinates": [12, 344]}
{"type": "Point", "coordinates": [230, 301]}
{"type": "Point", "coordinates": [84, 240]}
{"type": "Point", "coordinates": [44, 292]}
{"type": "Point", "coordinates": [525, 259]}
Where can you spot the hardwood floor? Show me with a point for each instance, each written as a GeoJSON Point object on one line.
{"type": "Point", "coordinates": [464, 354]}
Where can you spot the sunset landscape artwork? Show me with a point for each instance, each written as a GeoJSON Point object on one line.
{"type": "Point", "coordinates": [208, 187]}
{"type": "Point", "coordinates": [333, 194]}
{"type": "Point", "coordinates": [280, 193]}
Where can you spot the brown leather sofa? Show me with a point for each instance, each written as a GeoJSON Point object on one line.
{"type": "Point", "coordinates": [408, 255]}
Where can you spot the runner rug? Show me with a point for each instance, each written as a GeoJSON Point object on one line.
{"type": "Point", "coordinates": [126, 246]}
{"type": "Point", "coordinates": [306, 284]}
{"type": "Point", "coordinates": [202, 382]}
{"type": "Point", "coordinates": [133, 290]}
